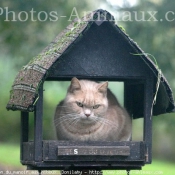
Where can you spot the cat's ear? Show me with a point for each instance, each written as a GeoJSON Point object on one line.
{"type": "Point", "coordinates": [75, 85]}
{"type": "Point", "coordinates": [102, 88]}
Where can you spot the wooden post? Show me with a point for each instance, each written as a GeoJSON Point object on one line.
{"type": "Point", "coordinates": [38, 127]}
{"type": "Point", "coordinates": [24, 130]}
{"type": "Point", "coordinates": [148, 118]}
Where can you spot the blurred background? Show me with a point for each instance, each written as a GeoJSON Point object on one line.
{"type": "Point", "coordinates": [27, 27]}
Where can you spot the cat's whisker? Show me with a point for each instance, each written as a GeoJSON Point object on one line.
{"type": "Point", "coordinates": [108, 122]}
{"type": "Point", "coordinates": [75, 121]}
{"type": "Point", "coordinates": [60, 122]}
{"type": "Point", "coordinates": [69, 119]}
{"type": "Point", "coordinates": [96, 119]}
{"type": "Point", "coordinates": [62, 119]}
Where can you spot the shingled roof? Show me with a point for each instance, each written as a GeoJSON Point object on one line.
{"type": "Point", "coordinates": [24, 93]}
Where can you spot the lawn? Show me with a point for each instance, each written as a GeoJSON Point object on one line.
{"type": "Point", "coordinates": [10, 157]}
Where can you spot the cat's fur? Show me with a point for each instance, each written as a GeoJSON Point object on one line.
{"type": "Point", "coordinates": [90, 112]}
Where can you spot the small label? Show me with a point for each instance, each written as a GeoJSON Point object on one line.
{"type": "Point", "coordinates": [94, 150]}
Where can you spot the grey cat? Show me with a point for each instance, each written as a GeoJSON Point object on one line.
{"type": "Point", "coordinates": [90, 112]}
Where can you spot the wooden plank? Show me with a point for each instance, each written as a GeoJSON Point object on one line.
{"type": "Point", "coordinates": [51, 160]}
{"type": "Point", "coordinates": [28, 151]}
{"type": "Point", "coordinates": [51, 148]}
{"type": "Point", "coordinates": [94, 150]}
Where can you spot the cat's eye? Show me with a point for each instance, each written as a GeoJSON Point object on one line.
{"type": "Point", "coordinates": [79, 104]}
{"type": "Point", "coordinates": [96, 106]}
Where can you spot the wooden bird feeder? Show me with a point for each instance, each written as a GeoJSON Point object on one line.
{"type": "Point", "coordinates": [91, 48]}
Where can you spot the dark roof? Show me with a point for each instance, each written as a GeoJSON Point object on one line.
{"type": "Point", "coordinates": [24, 93]}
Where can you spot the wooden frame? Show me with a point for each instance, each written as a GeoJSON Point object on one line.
{"type": "Point", "coordinates": [45, 154]}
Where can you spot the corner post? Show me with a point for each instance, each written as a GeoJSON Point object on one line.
{"type": "Point", "coordinates": [24, 131]}
{"type": "Point", "coordinates": [38, 135]}
{"type": "Point", "coordinates": [148, 105]}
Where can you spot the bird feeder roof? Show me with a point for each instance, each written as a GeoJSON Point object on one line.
{"type": "Point", "coordinates": [24, 93]}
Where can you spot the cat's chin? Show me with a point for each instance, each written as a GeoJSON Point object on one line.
{"type": "Point", "coordinates": [87, 120]}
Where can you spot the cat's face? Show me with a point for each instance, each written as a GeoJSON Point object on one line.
{"type": "Point", "coordinates": [87, 100]}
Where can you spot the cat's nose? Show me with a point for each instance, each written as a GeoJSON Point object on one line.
{"type": "Point", "coordinates": [87, 112]}
{"type": "Point", "coordinates": [87, 115]}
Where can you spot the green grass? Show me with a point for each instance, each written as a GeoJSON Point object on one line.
{"type": "Point", "coordinates": [165, 167]}
{"type": "Point", "coordinates": [10, 156]}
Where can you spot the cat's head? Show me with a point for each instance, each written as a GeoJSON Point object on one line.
{"type": "Point", "coordinates": [87, 99]}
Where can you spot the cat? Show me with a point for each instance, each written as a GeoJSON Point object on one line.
{"type": "Point", "coordinates": [90, 112]}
